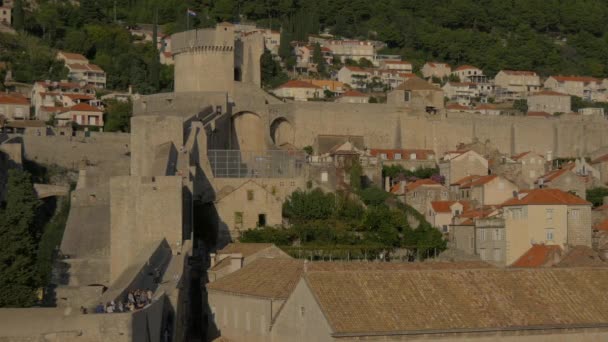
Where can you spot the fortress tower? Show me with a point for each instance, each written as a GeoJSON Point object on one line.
{"type": "Point", "coordinates": [210, 60]}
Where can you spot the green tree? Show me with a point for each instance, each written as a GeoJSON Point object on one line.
{"type": "Point", "coordinates": [18, 238]}
{"type": "Point", "coordinates": [18, 15]}
{"type": "Point", "coordinates": [155, 64]}
{"type": "Point", "coordinates": [317, 58]}
{"type": "Point", "coordinates": [118, 116]}
{"type": "Point", "coordinates": [272, 74]}
{"type": "Point", "coordinates": [313, 205]}
{"type": "Point", "coordinates": [90, 11]}
{"type": "Point", "coordinates": [355, 174]}
{"type": "Point", "coordinates": [373, 196]}
{"type": "Point", "coordinates": [596, 196]}
{"type": "Point", "coordinates": [521, 105]}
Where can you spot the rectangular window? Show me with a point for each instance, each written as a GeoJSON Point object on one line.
{"type": "Point", "coordinates": [383, 156]}
{"type": "Point", "coordinates": [550, 233]}
{"type": "Point", "coordinates": [575, 214]}
{"type": "Point", "coordinates": [445, 228]}
{"type": "Point", "coordinates": [397, 156]}
{"type": "Point", "coordinates": [549, 215]}
{"type": "Point", "coordinates": [250, 195]}
{"type": "Point", "coordinates": [482, 234]}
{"type": "Point", "coordinates": [261, 220]}
{"type": "Point", "coordinates": [238, 217]}
{"type": "Point", "coordinates": [496, 234]}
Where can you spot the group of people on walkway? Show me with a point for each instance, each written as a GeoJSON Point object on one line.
{"type": "Point", "coordinates": [134, 300]}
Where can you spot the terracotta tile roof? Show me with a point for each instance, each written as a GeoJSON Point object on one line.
{"type": "Point", "coordinates": [552, 175]}
{"type": "Point", "coordinates": [478, 213]}
{"type": "Point", "coordinates": [70, 55]}
{"type": "Point", "coordinates": [519, 72]}
{"type": "Point", "coordinates": [84, 107]}
{"type": "Point", "coordinates": [456, 106]}
{"type": "Point", "coordinates": [549, 93]}
{"type": "Point", "coordinates": [486, 106]}
{"type": "Point", "coordinates": [465, 67]}
{"type": "Point", "coordinates": [359, 303]}
{"type": "Point", "coordinates": [480, 181]}
{"type": "Point", "coordinates": [444, 206]}
{"type": "Point", "coordinates": [581, 256]}
{"type": "Point", "coordinates": [330, 84]}
{"type": "Point", "coordinates": [540, 114]}
{"type": "Point", "coordinates": [466, 180]}
{"type": "Point", "coordinates": [545, 196]}
{"type": "Point", "coordinates": [583, 79]}
{"type": "Point", "coordinates": [264, 277]}
{"type": "Point", "coordinates": [538, 256]}
{"type": "Point", "coordinates": [420, 182]}
{"type": "Point", "coordinates": [601, 226]}
{"type": "Point", "coordinates": [13, 99]}
{"type": "Point", "coordinates": [601, 207]}
{"type": "Point", "coordinates": [357, 69]}
{"type": "Point", "coordinates": [350, 266]}
{"type": "Point", "coordinates": [417, 83]}
{"type": "Point", "coordinates": [353, 93]}
{"type": "Point", "coordinates": [79, 96]}
{"type": "Point", "coordinates": [405, 153]}
{"type": "Point", "coordinates": [523, 154]}
{"type": "Point", "coordinates": [601, 159]}
{"type": "Point", "coordinates": [245, 249]}
{"type": "Point", "coordinates": [298, 84]}
{"type": "Point", "coordinates": [85, 67]}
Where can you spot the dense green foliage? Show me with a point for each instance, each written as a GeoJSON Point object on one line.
{"type": "Point", "coordinates": [118, 116]}
{"type": "Point", "coordinates": [339, 222]}
{"type": "Point", "coordinates": [272, 74]}
{"type": "Point", "coordinates": [596, 196]}
{"type": "Point", "coordinates": [548, 36]}
{"type": "Point", "coordinates": [18, 237]}
{"type": "Point", "coordinates": [396, 170]}
{"type": "Point", "coordinates": [50, 239]}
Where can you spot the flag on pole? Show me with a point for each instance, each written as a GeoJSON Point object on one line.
{"type": "Point", "coordinates": [191, 13]}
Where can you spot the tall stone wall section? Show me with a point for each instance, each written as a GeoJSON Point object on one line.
{"type": "Point", "coordinates": [385, 126]}
{"type": "Point", "coordinates": [143, 210]}
{"type": "Point", "coordinates": [68, 151]}
{"type": "Point", "coordinates": [147, 134]}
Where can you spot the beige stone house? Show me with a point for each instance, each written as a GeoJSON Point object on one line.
{"type": "Point", "coordinates": [469, 73]}
{"type": "Point", "coordinates": [441, 214]}
{"type": "Point", "coordinates": [6, 15]}
{"type": "Point", "coordinates": [461, 92]}
{"type": "Point", "coordinates": [436, 69]}
{"type": "Point", "coordinates": [456, 165]}
{"type": "Point", "coordinates": [47, 94]}
{"type": "Point", "coordinates": [601, 164]}
{"type": "Point", "coordinates": [14, 107]}
{"type": "Point", "coordinates": [588, 88]}
{"type": "Point", "coordinates": [299, 91]}
{"type": "Point", "coordinates": [355, 77]}
{"type": "Point", "coordinates": [485, 190]}
{"type": "Point", "coordinates": [530, 166]}
{"type": "Point", "coordinates": [402, 66]}
{"type": "Point", "coordinates": [81, 70]}
{"type": "Point", "coordinates": [82, 114]}
{"type": "Point", "coordinates": [516, 84]}
{"type": "Point", "coordinates": [244, 304]}
{"type": "Point", "coordinates": [565, 179]}
{"type": "Point", "coordinates": [420, 193]}
{"type": "Point", "coordinates": [235, 256]}
{"type": "Point", "coordinates": [487, 109]}
{"type": "Point", "coordinates": [248, 206]}
{"type": "Point", "coordinates": [547, 216]}
{"type": "Point", "coordinates": [352, 49]}
{"type": "Point", "coordinates": [417, 94]}
{"type": "Point", "coordinates": [420, 305]}
{"type": "Point", "coordinates": [353, 96]}
{"type": "Point", "coordinates": [410, 159]}
{"type": "Point", "coordinates": [331, 85]}
{"type": "Point", "coordinates": [549, 101]}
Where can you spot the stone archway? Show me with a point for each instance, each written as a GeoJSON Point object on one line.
{"type": "Point", "coordinates": [248, 132]}
{"type": "Point", "coordinates": [282, 132]}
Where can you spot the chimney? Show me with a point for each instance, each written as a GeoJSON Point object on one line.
{"type": "Point", "coordinates": [402, 187]}
{"type": "Point", "coordinates": [236, 261]}
{"type": "Point", "coordinates": [387, 184]}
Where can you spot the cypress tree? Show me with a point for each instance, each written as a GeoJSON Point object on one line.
{"type": "Point", "coordinates": [155, 65]}
{"type": "Point", "coordinates": [18, 242]}
{"type": "Point", "coordinates": [18, 16]}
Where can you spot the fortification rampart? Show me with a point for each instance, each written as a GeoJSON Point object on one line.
{"type": "Point", "coordinates": [68, 152]}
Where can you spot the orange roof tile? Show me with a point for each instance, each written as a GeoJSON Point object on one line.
{"type": "Point", "coordinates": [537, 256]}
{"type": "Point", "coordinates": [601, 159]}
{"type": "Point", "coordinates": [13, 99]}
{"type": "Point", "coordinates": [545, 197]}
{"type": "Point", "coordinates": [456, 106]}
{"type": "Point", "coordinates": [444, 206]}
{"type": "Point", "coordinates": [601, 226]}
{"type": "Point", "coordinates": [584, 79]}
{"type": "Point", "coordinates": [552, 175]}
{"type": "Point", "coordinates": [71, 55]}
{"type": "Point", "coordinates": [601, 207]}
{"type": "Point", "coordinates": [486, 106]}
{"type": "Point", "coordinates": [420, 182]}
{"type": "Point", "coordinates": [465, 67]}
{"type": "Point", "coordinates": [549, 93]}
{"type": "Point", "coordinates": [298, 84]}
{"type": "Point", "coordinates": [519, 72]}
{"type": "Point", "coordinates": [465, 180]}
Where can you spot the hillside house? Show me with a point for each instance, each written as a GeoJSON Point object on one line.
{"type": "Point", "coordinates": [456, 165]}
{"type": "Point", "coordinates": [299, 91]}
{"type": "Point", "coordinates": [237, 255]}
{"type": "Point", "coordinates": [82, 114]}
{"type": "Point", "coordinates": [14, 106]}
{"type": "Point", "coordinates": [355, 77]}
{"type": "Point", "coordinates": [441, 214]}
{"type": "Point", "coordinates": [484, 190]}
{"type": "Point", "coordinates": [352, 49]}
{"type": "Point", "coordinates": [420, 193]}
{"type": "Point", "coordinates": [516, 84]}
{"type": "Point", "coordinates": [549, 101]}
{"type": "Point", "coordinates": [587, 88]}
{"type": "Point", "coordinates": [417, 94]}
{"type": "Point", "coordinates": [469, 73]}
{"type": "Point", "coordinates": [353, 96]}
{"type": "Point", "coordinates": [401, 66]}
{"type": "Point", "coordinates": [80, 69]}
{"type": "Point", "coordinates": [545, 216]}
{"type": "Point", "coordinates": [409, 159]}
